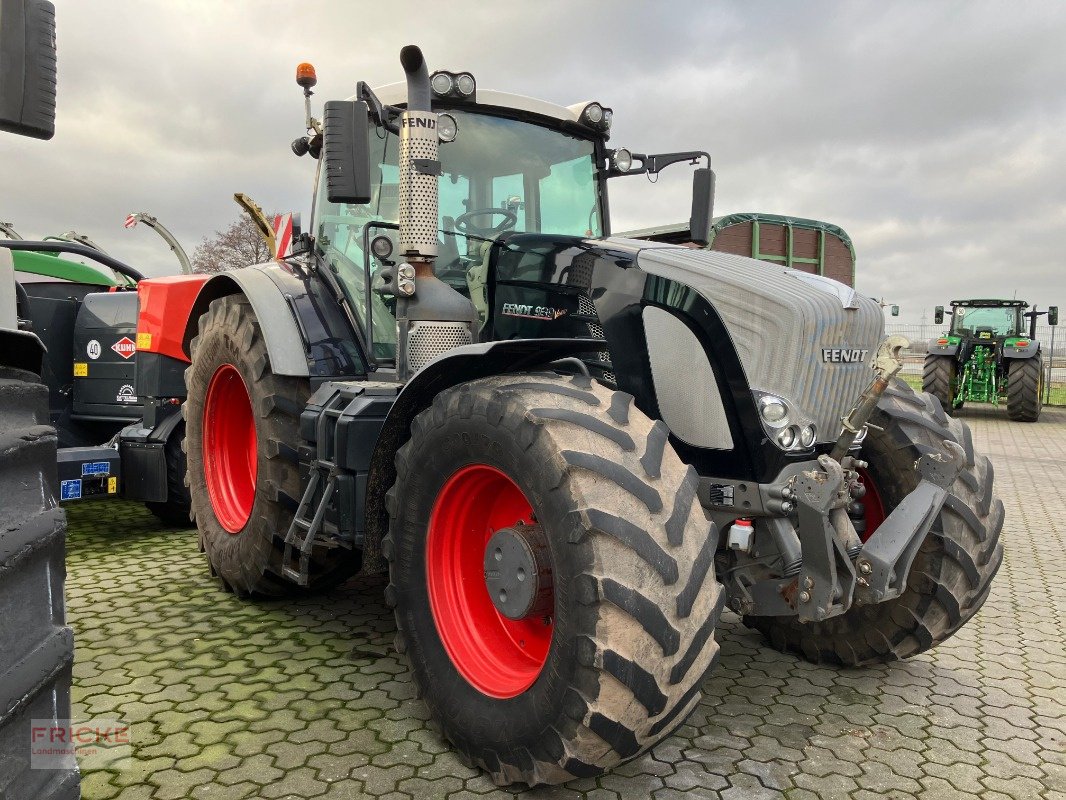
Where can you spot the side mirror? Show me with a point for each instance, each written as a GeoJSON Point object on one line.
{"type": "Point", "coordinates": [699, 223]}
{"type": "Point", "coordinates": [895, 311]}
{"type": "Point", "coordinates": [28, 68]}
{"type": "Point", "coordinates": [346, 151]}
{"type": "Point", "coordinates": [1052, 315]}
{"type": "Point", "coordinates": [938, 315]}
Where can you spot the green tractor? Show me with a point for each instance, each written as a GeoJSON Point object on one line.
{"type": "Point", "coordinates": [988, 355]}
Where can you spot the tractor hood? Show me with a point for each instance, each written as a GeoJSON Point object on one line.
{"type": "Point", "coordinates": [802, 337]}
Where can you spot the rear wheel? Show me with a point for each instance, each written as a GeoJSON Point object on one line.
{"type": "Point", "coordinates": [243, 471]}
{"type": "Point", "coordinates": [952, 573]}
{"type": "Point", "coordinates": [551, 573]}
{"type": "Point", "coordinates": [1025, 388]}
{"type": "Point", "coordinates": [940, 379]}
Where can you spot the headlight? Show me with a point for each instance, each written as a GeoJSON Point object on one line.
{"type": "Point", "coordinates": [787, 438]}
{"type": "Point", "coordinates": [622, 160]}
{"type": "Point", "coordinates": [594, 113]}
{"type": "Point", "coordinates": [608, 118]}
{"type": "Point", "coordinates": [381, 246]}
{"type": "Point", "coordinates": [465, 84]}
{"type": "Point", "coordinates": [807, 436]}
{"type": "Point", "coordinates": [773, 410]}
{"type": "Point", "coordinates": [441, 83]}
{"type": "Point", "coordinates": [447, 127]}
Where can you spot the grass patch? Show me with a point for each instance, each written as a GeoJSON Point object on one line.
{"type": "Point", "coordinates": [1058, 390]}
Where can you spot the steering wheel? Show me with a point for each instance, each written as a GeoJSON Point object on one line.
{"type": "Point", "coordinates": [462, 222]}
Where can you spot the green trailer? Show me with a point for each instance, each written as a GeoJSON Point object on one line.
{"type": "Point", "coordinates": [809, 245]}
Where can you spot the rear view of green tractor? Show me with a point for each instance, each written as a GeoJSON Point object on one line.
{"type": "Point", "coordinates": [987, 356]}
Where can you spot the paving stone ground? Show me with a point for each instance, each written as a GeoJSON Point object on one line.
{"type": "Point", "coordinates": [230, 699]}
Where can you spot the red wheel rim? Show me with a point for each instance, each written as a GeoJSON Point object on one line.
{"type": "Point", "coordinates": [230, 448]}
{"type": "Point", "coordinates": [875, 507]}
{"type": "Point", "coordinates": [500, 657]}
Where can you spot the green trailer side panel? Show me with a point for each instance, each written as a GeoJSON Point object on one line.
{"type": "Point", "coordinates": [51, 266]}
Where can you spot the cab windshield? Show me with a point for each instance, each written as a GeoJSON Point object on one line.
{"type": "Point", "coordinates": [997, 321]}
{"type": "Point", "coordinates": [499, 175]}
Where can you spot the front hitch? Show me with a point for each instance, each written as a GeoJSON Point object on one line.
{"type": "Point", "coordinates": [885, 560]}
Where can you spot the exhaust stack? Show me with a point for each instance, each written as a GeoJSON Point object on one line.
{"type": "Point", "coordinates": [431, 317]}
{"type": "Point", "coordinates": [419, 166]}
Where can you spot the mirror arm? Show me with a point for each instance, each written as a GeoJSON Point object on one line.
{"type": "Point", "coordinates": [655, 163]}
{"type": "Point", "coordinates": [384, 116]}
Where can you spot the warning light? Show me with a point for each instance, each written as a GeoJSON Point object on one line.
{"type": "Point", "coordinates": [1021, 343]}
{"type": "Point", "coordinates": [305, 75]}
{"type": "Point", "coordinates": [941, 341]}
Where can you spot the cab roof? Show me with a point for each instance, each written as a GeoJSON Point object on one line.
{"type": "Point", "coordinates": [395, 94]}
{"type": "Point", "coordinates": [990, 303]}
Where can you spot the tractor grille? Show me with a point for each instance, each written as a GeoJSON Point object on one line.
{"type": "Point", "coordinates": [427, 340]}
{"type": "Point", "coordinates": [779, 321]}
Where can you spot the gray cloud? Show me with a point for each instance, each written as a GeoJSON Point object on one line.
{"type": "Point", "coordinates": [932, 132]}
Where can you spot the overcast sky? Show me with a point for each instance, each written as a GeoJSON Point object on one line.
{"type": "Point", "coordinates": [933, 132]}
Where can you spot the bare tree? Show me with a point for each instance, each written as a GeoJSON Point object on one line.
{"type": "Point", "coordinates": [239, 245]}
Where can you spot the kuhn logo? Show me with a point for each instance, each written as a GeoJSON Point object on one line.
{"type": "Point", "coordinates": [532, 312]}
{"type": "Point", "coordinates": [839, 355]}
{"type": "Point", "coordinates": [418, 122]}
{"type": "Point", "coordinates": [125, 347]}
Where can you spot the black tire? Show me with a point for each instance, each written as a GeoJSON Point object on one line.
{"type": "Point", "coordinates": [176, 510]}
{"type": "Point", "coordinates": [249, 561]}
{"type": "Point", "coordinates": [939, 378]}
{"type": "Point", "coordinates": [632, 554]}
{"type": "Point", "coordinates": [953, 571]}
{"type": "Point", "coordinates": [38, 647]}
{"type": "Point", "coordinates": [1025, 388]}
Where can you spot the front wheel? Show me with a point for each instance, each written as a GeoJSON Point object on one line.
{"type": "Point", "coordinates": [953, 570]}
{"type": "Point", "coordinates": [1025, 389]}
{"type": "Point", "coordinates": [551, 574]}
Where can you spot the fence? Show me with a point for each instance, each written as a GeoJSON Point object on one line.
{"type": "Point", "coordinates": [919, 336]}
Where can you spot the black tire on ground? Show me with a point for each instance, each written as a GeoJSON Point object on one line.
{"type": "Point", "coordinates": [632, 555]}
{"type": "Point", "coordinates": [38, 647]}
{"type": "Point", "coordinates": [952, 573]}
{"type": "Point", "coordinates": [249, 562]}
{"type": "Point", "coordinates": [939, 375]}
{"type": "Point", "coordinates": [176, 509]}
{"type": "Point", "coordinates": [1025, 388]}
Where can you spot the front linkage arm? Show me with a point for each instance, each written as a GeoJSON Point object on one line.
{"type": "Point", "coordinates": [837, 569]}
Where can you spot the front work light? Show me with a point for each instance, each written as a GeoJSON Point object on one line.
{"type": "Point", "coordinates": [447, 127]}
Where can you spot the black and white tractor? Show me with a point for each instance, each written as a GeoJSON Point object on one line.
{"type": "Point", "coordinates": [569, 450]}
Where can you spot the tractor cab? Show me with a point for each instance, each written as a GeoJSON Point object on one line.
{"type": "Point", "coordinates": [987, 320]}
{"type": "Point", "coordinates": [508, 165]}
{"type": "Point", "coordinates": [501, 172]}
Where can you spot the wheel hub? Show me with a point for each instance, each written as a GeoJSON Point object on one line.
{"type": "Point", "coordinates": [518, 572]}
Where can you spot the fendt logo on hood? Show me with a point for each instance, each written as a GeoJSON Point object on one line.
{"type": "Point", "coordinates": [842, 355]}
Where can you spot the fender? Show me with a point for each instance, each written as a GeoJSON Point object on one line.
{"type": "Point", "coordinates": [936, 349]}
{"type": "Point", "coordinates": [307, 333]}
{"type": "Point", "coordinates": [460, 365]}
{"type": "Point", "coordinates": [22, 350]}
{"type": "Point", "coordinates": [1029, 351]}
{"type": "Point", "coordinates": [284, 341]}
